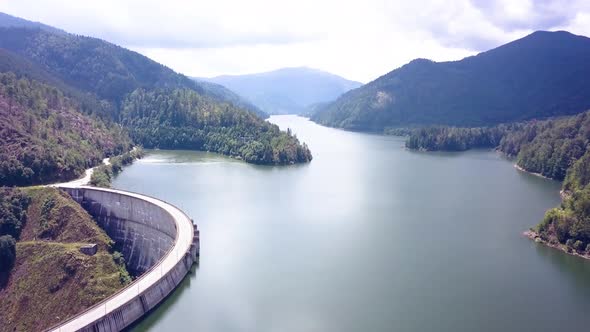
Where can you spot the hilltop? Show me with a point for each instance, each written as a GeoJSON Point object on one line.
{"type": "Point", "coordinates": [287, 90]}
{"type": "Point", "coordinates": [541, 75]}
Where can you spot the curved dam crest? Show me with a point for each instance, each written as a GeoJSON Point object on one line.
{"type": "Point", "coordinates": [158, 241]}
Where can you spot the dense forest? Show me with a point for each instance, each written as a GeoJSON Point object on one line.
{"type": "Point", "coordinates": [108, 71]}
{"type": "Point", "coordinates": [44, 137]}
{"type": "Point", "coordinates": [182, 118]}
{"type": "Point", "coordinates": [541, 75]}
{"type": "Point", "coordinates": [456, 139]}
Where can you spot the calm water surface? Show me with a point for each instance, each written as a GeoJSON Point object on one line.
{"type": "Point", "coordinates": [367, 237]}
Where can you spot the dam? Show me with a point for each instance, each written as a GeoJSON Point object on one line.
{"type": "Point", "coordinates": [159, 242]}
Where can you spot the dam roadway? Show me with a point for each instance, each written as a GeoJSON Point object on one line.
{"type": "Point", "coordinates": [160, 241]}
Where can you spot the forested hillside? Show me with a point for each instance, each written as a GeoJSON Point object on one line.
{"type": "Point", "coordinates": [96, 66]}
{"type": "Point", "coordinates": [182, 118]}
{"type": "Point", "coordinates": [541, 75]}
{"type": "Point", "coordinates": [222, 93]}
{"type": "Point", "coordinates": [62, 95]}
{"type": "Point", "coordinates": [44, 137]}
{"type": "Point", "coordinates": [456, 139]}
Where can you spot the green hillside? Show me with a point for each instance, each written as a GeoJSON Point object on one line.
{"type": "Point", "coordinates": [541, 75]}
{"type": "Point", "coordinates": [62, 97]}
{"type": "Point", "coordinates": [50, 279]}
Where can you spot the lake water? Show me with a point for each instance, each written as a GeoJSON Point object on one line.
{"type": "Point", "coordinates": [367, 237]}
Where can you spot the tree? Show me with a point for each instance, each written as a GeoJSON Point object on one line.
{"type": "Point", "coordinates": [7, 253]}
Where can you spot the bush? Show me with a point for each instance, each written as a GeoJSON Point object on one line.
{"type": "Point", "coordinates": [578, 246]}
{"type": "Point", "coordinates": [13, 211]}
{"type": "Point", "coordinates": [101, 177]}
{"type": "Point", "coordinates": [7, 253]}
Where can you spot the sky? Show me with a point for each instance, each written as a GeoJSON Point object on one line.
{"type": "Point", "coordinates": [359, 40]}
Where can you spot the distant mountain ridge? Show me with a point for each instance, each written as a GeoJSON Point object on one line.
{"type": "Point", "coordinates": [286, 90]}
{"type": "Point", "coordinates": [541, 75]}
{"type": "Point", "coordinates": [9, 21]}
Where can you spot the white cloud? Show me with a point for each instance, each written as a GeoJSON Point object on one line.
{"type": "Point", "coordinates": [356, 39]}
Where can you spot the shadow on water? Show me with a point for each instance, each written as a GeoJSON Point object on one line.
{"type": "Point", "coordinates": [164, 307]}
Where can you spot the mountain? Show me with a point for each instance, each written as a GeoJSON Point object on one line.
{"type": "Point", "coordinates": [287, 90]}
{"type": "Point", "coordinates": [62, 102]}
{"type": "Point", "coordinates": [9, 21]}
{"type": "Point", "coordinates": [45, 137]}
{"type": "Point", "coordinates": [541, 75]}
{"type": "Point", "coordinates": [223, 93]}
{"type": "Point", "coordinates": [93, 65]}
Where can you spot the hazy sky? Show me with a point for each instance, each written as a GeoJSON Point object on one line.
{"type": "Point", "coordinates": [359, 40]}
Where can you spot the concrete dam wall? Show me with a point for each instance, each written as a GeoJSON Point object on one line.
{"type": "Point", "coordinates": [143, 231]}
{"type": "Point", "coordinates": [157, 240]}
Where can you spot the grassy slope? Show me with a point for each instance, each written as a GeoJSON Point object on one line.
{"type": "Point", "coordinates": [51, 279]}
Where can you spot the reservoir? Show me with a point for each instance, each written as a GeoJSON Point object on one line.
{"type": "Point", "coordinates": [366, 237]}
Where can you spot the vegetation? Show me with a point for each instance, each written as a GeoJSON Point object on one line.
{"type": "Point", "coordinates": [43, 138]}
{"type": "Point", "coordinates": [104, 70]}
{"type": "Point", "coordinates": [550, 147]}
{"type": "Point", "coordinates": [547, 147]}
{"type": "Point", "coordinates": [50, 276]}
{"type": "Point", "coordinates": [7, 254]}
{"type": "Point", "coordinates": [64, 97]}
{"type": "Point", "coordinates": [457, 139]}
{"type": "Point", "coordinates": [182, 118]}
{"type": "Point", "coordinates": [541, 75]}
{"type": "Point", "coordinates": [398, 131]}
{"type": "Point", "coordinates": [104, 174]}
{"type": "Point", "coordinates": [569, 224]}
{"type": "Point", "coordinates": [13, 211]}
{"type": "Point", "coordinates": [13, 216]}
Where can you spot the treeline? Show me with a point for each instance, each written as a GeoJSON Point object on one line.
{"type": "Point", "coordinates": [103, 175]}
{"type": "Point", "coordinates": [549, 147]}
{"type": "Point", "coordinates": [13, 216]}
{"type": "Point", "coordinates": [560, 149]}
{"type": "Point", "coordinates": [104, 70]}
{"type": "Point", "coordinates": [185, 119]}
{"type": "Point", "coordinates": [44, 137]}
{"type": "Point", "coordinates": [457, 139]}
{"type": "Point", "coordinates": [569, 224]}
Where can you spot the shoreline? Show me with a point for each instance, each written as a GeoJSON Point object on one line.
{"type": "Point", "coordinates": [532, 173]}
{"type": "Point", "coordinates": [85, 179]}
{"type": "Point", "coordinates": [558, 246]}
